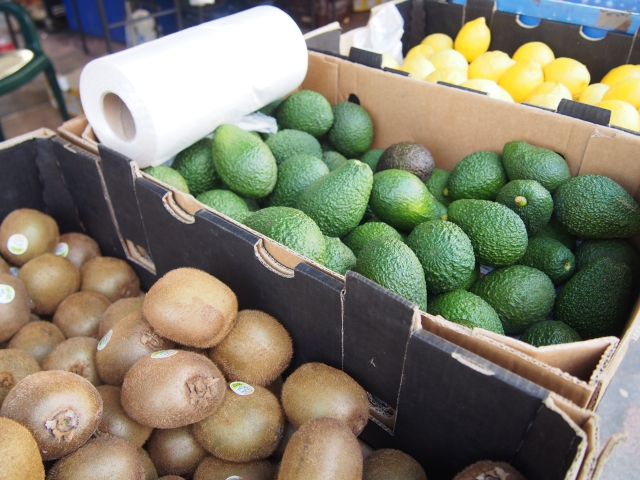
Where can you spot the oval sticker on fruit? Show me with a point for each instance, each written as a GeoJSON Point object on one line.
{"type": "Point", "coordinates": [241, 388]}
{"type": "Point", "coordinates": [62, 249]}
{"type": "Point", "coordinates": [164, 353]}
{"type": "Point", "coordinates": [7, 293]}
{"type": "Point", "coordinates": [17, 244]}
{"type": "Point", "coordinates": [103, 343]}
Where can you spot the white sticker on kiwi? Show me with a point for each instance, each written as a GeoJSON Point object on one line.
{"type": "Point", "coordinates": [164, 353]}
{"type": "Point", "coordinates": [235, 477]}
{"type": "Point", "coordinates": [7, 293]}
{"type": "Point", "coordinates": [13, 271]}
{"type": "Point", "coordinates": [17, 244]}
{"type": "Point", "coordinates": [241, 388]}
{"type": "Point", "coordinates": [103, 343]}
{"type": "Point", "coordinates": [62, 250]}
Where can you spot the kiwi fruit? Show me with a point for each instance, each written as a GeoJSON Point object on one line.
{"type": "Point", "coordinates": [79, 314]}
{"type": "Point", "coordinates": [60, 409]}
{"type": "Point", "coordinates": [26, 234]}
{"type": "Point", "coordinates": [171, 477]}
{"type": "Point", "coordinates": [322, 448]}
{"type": "Point", "coordinates": [365, 448]}
{"type": "Point", "coordinates": [150, 472]}
{"type": "Point", "coordinates": [317, 390]}
{"type": "Point", "coordinates": [172, 388]}
{"type": "Point", "coordinates": [76, 355]}
{"type": "Point", "coordinates": [130, 339]}
{"type": "Point", "coordinates": [49, 279]}
{"type": "Point", "coordinates": [14, 306]}
{"type": "Point", "coordinates": [117, 311]}
{"type": "Point", "coordinates": [287, 433]}
{"type": "Point", "coordinates": [191, 307]}
{"type": "Point", "coordinates": [37, 339]}
{"type": "Point", "coordinates": [102, 458]}
{"type": "Point", "coordinates": [111, 277]}
{"type": "Point", "coordinates": [244, 428]}
{"type": "Point", "coordinates": [488, 470]}
{"type": "Point", "coordinates": [391, 464]}
{"type": "Point", "coordinates": [212, 468]}
{"type": "Point", "coordinates": [116, 422]}
{"type": "Point", "coordinates": [14, 366]}
{"type": "Point", "coordinates": [256, 350]}
{"type": "Point", "coordinates": [19, 453]}
{"type": "Point", "coordinates": [80, 248]}
{"type": "Point", "coordinates": [175, 451]}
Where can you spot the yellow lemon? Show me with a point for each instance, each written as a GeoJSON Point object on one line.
{"type": "Point", "coordinates": [573, 74]}
{"type": "Point", "coordinates": [593, 93]}
{"type": "Point", "coordinates": [538, 51]}
{"type": "Point", "coordinates": [449, 58]}
{"type": "Point", "coordinates": [473, 39]}
{"type": "Point", "coordinates": [520, 79]}
{"type": "Point", "coordinates": [449, 75]}
{"type": "Point", "coordinates": [545, 100]}
{"type": "Point", "coordinates": [388, 61]}
{"type": "Point", "coordinates": [491, 88]}
{"type": "Point", "coordinates": [418, 68]}
{"type": "Point", "coordinates": [438, 41]}
{"type": "Point", "coordinates": [552, 88]}
{"type": "Point", "coordinates": [626, 90]}
{"type": "Point", "coordinates": [622, 114]}
{"type": "Point", "coordinates": [424, 51]}
{"type": "Point", "coordinates": [620, 73]}
{"type": "Point", "coordinates": [490, 65]}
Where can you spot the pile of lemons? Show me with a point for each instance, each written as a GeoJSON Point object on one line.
{"type": "Point", "coordinates": [532, 75]}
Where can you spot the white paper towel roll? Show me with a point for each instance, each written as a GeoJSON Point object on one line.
{"type": "Point", "coordinates": [154, 100]}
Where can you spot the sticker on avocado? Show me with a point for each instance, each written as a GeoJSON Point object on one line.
{"type": "Point", "coordinates": [103, 343]}
{"type": "Point", "coordinates": [13, 271]}
{"type": "Point", "coordinates": [62, 250]}
{"type": "Point", "coordinates": [485, 270]}
{"type": "Point", "coordinates": [164, 353]}
{"type": "Point", "coordinates": [17, 244]}
{"type": "Point", "coordinates": [7, 293]}
{"type": "Point", "coordinates": [241, 388]}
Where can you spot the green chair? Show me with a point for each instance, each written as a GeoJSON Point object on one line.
{"type": "Point", "coordinates": [20, 66]}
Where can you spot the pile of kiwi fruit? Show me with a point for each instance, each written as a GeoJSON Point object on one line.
{"type": "Point", "coordinates": [99, 380]}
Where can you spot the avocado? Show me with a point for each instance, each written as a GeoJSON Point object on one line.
{"type": "Point", "coordinates": [549, 332]}
{"type": "Point", "coordinates": [460, 305]}
{"type": "Point", "coordinates": [616, 249]}
{"type": "Point", "coordinates": [524, 161]}
{"type": "Point", "coordinates": [409, 156]}
{"type": "Point", "coordinates": [333, 159]}
{"type": "Point", "coordinates": [195, 164]}
{"type": "Point", "coordinates": [554, 230]}
{"type": "Point", "coordinates": [366, 232]}
{"type": "Point", "coordinates": [339, 257]}
{"type": "Point", "coordinates": [307, 111]}
{"type": "Point", "coordinates": [352, 130]}
{"type": "Point", "coordinates": [226, 202]}
{"type": "Point", "coordinates": [530, 200]}
{"type": "Point", "coordinates": [294, 175]}
{"type": "Point", "coordinates": [436, 184]}
{"type": "Point", "coordinates": [372, 157]}
{"type": "Point", "coordinates": [479, 176]}
{"type": "Point", "coordinates": [169, 176]}
{"type": "Point", "coordinates": [551, 257]}
{"type": "Point", "coordinates": [289, 143]}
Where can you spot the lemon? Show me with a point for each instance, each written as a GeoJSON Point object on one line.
{"type": "Point", "coordinates": [449, 58]}
{"type": "Point", "coordinates": [424, 51]}
{"type": "Point", "coordinates": [418, 68]}
{"type": "Point", "coordinates": [552, 88]}
{"type": "Point", "coordinates": [490, 65]}
{"type": "Point", "coordinates": [573, 74]}
{"type": "Point", "coordinates": [388, 61]}
{"type": "Point", "coordinates": [546, 100]}
{"type": "Point", "coordinates": [520, 79]}
{"type": "Point", "coordinates": [473, 39]}
{"type": "Point", "coordinates": [622, 114]}
{"type": "Point", "coordinates": [491, 88]}
{"type": "Point", "coordinates": [538, 51]}
{"type": "Point", "coordinates": [449, 75]}
{"type": "Point", "coordinates": [593, 93]}
{"type": "Point", "coordinates": [626, 90]}
{"type": "Point", "coordinates": [438, 41]}
{"type": "Point", "coordinates": [620, 73]}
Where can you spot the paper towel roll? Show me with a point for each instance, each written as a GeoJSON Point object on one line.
{"type": "Point", "coordinates": [152, 101]}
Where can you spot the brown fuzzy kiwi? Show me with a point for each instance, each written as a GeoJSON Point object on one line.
{"type": "Point", "coordinates": [117, 311]}
{"type": "Point", "coordinates": [172, 388]}
{"type": "Point", "coordinates": [103, 458]}
{"type": "Point", "coordinates": [244, 428]}
{"type": "Point", "coordinates": [37, 339]}
{"type": "Point", "coordinates": [60, 409]}
{"type": "Point", "coordinates": [115, 420]}
{"type": "Point", "coordinates": [19, 453]}
{"type": "Point", "coordinates": [191, 307]}
{"type": "Point", "coordinates": [76, 355]}
{"type": "Point", "coordinates": [49, 279]}
{"type": "Point", "coordinates": [14, 366]}
{"type": "Point", "coordinates": [171, 477]}
{"type": "Point", "coordinates": [79, 314]}
{"type": "Point", "coordinates": [322, 448]}
{"type": "Point", "coordinates": [391, 464]}
{"type": "Point", "coordinates": [287, 433]}
{"type": "Point", "coordinates": [80, 248]}
{"type": "Point", "coordinates": [150, 472]}
{"type": "Point", "coordinates": [14, 306]}
{"type": "Point", "coordinates": [130, 339]}
{"type": "Point", "coordinates": [111, 277]}
{"type": "Point", "coordinates": [318, 390]}
{"type": "Point", "coordinates": [212, 468]}
{"type": "Point", "coordinates": [256, 350]}
{"type": "Point", "coordinates": [39, 229]}
{"type": "Point", "coordinates": [489, 470]}
{"type": "Point", "coordinates": [175, 451]}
